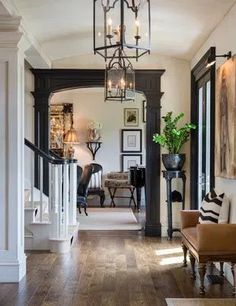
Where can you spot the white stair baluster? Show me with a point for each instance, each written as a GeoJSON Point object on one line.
{"type": "Point", "coordinates": [55, 201]}
{"type": "Point", "coordinates": [41, 188]}
{"type": "Point", "coordinates": [60, 217]}
{"type": "Point", "coordinates": [32, 180]}
{"type": "Point", "coordinates": [73, 193]}
{"type": "Point", "coordinates": [65, 199]}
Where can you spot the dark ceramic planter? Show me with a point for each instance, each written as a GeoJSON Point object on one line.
{"type": "Point", "coordinates": [173, 162]}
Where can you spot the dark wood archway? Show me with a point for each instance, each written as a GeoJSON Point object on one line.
{"type": "Point", "coordinates": [48, 81]}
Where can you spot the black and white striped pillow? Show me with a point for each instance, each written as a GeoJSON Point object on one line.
{"type": "Point", "coordinates": [211, 207]}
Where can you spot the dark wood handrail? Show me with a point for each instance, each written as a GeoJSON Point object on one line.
{"type": "Point", "coordinates": [44, 155]}
{"type": "Point", "coordinates": [55, 155]}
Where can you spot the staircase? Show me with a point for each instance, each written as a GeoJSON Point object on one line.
{"type": "Point", "coordinates": [50, 221]}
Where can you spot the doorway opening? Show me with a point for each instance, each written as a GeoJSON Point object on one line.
{"type": "Point", "coordinates": [88, 108]}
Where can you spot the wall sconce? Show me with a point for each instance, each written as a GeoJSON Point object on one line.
{"type": "Point", "coordinates": [212, 59]}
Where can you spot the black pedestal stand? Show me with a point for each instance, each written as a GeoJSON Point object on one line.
{"type": "Point", "coordinates": [169, 175]}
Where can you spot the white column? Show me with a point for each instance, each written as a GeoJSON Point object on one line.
{"type": "Point", "coordinates": [12, 257]}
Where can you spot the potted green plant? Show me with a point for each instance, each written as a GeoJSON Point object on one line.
{"type": "Point", "coordinates": [173, 138]}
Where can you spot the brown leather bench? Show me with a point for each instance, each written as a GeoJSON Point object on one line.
{"type": "Point", "coordinates": [207, 243]}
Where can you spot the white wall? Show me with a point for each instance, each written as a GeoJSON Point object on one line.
{"type": "Point", "coordinates": [175, 84]}
{"type": "Point", "coordinates": [223, 38]}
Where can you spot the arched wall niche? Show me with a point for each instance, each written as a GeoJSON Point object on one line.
{"type": "Point", "coordinates": [49, 81]}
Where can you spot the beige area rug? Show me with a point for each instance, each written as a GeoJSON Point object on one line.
{"type": "Point", "coordinates": [108, 219]}
{"type": "Point", "coordinates": [201, 302]}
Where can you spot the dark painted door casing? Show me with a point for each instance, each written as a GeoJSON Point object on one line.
{"type": "Point", "coordinates": [48, 81]}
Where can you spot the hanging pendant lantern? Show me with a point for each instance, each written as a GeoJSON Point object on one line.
{"type": "Point", "coordinates": [123, 24]}
{"type": "Point", "coordinates": [119, 78]}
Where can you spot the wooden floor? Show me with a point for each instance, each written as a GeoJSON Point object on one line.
{"type": "Point", "coordinates": [108, 268]}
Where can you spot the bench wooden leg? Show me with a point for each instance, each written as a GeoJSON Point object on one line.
{"type": "Point", "coordinates": [202, 272]}
{"type": "Point", "coordinates": [185, 250]}
{"type": "Point", "coordinates": [132, 197]}
{"type": "Point", "coordinates": [112, 195]}
{"type": "Point", "coordinates": [192, 261]}
{"type": "Point", "coordinates": [233, 269]}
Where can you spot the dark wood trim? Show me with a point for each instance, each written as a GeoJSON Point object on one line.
{"type": "Point", "coordinates": [197, 73]}
{"type": "Point", "coordinates": [48, 81]}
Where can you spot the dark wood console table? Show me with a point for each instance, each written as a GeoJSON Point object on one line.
{"type": "Point", "coordinates": [169, 175]}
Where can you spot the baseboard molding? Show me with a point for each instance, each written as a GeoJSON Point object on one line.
{"type": "Point", "coordinates": [12, 272]}
{"type": "Point", "coordinates": [153, 230]}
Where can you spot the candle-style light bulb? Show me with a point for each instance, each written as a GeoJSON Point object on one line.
{"type": "Point", "coordinates": [109, 85]}
{"type": "Point", "coordinates": [137, 26]}
{"type": "Point", "coordinates": [109, 26]}
{"type": "Point", "coordinates": [122, 84]}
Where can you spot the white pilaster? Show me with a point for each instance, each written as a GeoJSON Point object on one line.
{"type": "Point", "coordinates": [12, 257]}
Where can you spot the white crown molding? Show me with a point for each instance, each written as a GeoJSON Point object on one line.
{"type": "Point", "coordinates": [9, 39]}
{"type": "Point", "coordinates": [9, 23]}
{"type": "Point", "coordinates": [10, 7]}
{"type": "Point", "coordinates": [34, 53]}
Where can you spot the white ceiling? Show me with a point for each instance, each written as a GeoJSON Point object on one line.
{"type": "Point", "coordinates": [179, 27]}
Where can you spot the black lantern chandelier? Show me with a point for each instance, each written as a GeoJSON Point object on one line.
{"type": "Point", "coordinates": [119, 78]}
{"type": "Point", "coordinates": [121, 31]}
{"type": "Point", "coordinates": [124, 24]}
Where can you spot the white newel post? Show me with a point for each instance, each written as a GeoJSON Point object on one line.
{"type": "Point", "coordinates": [12, 257]}
{"type": "Point", "coordinates": [73, 193]}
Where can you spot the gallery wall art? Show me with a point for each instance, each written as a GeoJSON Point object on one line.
{"type": "Point", "coordinates": [131, 141]}
{"type": "Point", "coordinates": [225, 147]}
{"type": "Point", "coordinates": [131, 116]}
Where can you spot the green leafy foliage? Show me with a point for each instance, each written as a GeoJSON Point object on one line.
{"type": "Point", "coordinates": [173, 138]}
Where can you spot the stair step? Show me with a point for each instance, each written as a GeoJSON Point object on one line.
{"type": "Point", "coordinates": [41, 223]}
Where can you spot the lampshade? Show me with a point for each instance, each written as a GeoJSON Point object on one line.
{"type": "Point", "coordinates": [71, 136]}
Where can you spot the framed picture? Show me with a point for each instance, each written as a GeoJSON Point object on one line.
{"type": "Point", "coordinates": [131, 116]}
{"type": "Point", "coordinates": [225, 141]}
{"type": "Point", "coordinates": [131, 141]}
{"type": "Point", "coordinates": [144, 111]}
{"type": "Point", "coordinates": [131, 160]}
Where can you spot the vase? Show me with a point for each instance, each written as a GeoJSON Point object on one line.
{"type": "Point", "coordinates": [94, 135]}
{"type": "Point", "coordinates": [173, 162]}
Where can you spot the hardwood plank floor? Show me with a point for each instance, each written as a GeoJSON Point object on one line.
{"type": "Point", "coordinates": [108, 268]}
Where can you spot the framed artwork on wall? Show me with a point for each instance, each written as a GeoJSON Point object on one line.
{"type": "Point", "coordinates": [225, 141]}
{"type": "Point", "coordinates": [60, 123]}
{"type": "Point", "coordinates": [144, 111]}
{"type": "Point", "coordinates": [130, 160]}
{"type": "Point", "coordinates": [131, 141]}
{"type": "Point", "coordinates": [131, 116]}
